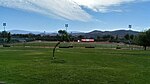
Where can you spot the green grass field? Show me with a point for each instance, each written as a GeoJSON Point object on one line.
{"type": "Point", "coordinates": [75, 44]}
{"type": "Point", "coordinates": [30, 65]}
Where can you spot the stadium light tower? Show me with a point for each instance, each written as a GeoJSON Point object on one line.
{"type": "Point", "coordinates": [66, 25]}
{"type": "Point", "coordinates": [4, 25]}
{"type": "Point", "coordinates": [130, 26]}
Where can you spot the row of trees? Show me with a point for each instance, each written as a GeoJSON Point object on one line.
{"type": "Point", "coordinates": [61, 36]}
{"type": "Point", "coordinates": [143, 39]}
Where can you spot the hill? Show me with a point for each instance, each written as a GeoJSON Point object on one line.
{"type": "Point", "coordinates": [94, 34]}
{"type": "Point", "coordinates": [23, 32]}
{"type": "Point", "coordinates": [120, 33]}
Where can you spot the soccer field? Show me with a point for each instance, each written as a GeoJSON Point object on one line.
{"type": "Point", "coordinates": [30, 65]}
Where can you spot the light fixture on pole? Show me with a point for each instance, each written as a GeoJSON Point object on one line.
{"type": "Point", "coordinates": [4, 25]}
{"type": "Point", "coordinates": [66, 25]}
{"type": "Point", "coordinates": [130, 26]}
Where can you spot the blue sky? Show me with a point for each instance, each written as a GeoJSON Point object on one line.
{"type": "Point", "coordinates": [84, 16]}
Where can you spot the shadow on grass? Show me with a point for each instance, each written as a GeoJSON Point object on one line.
{"type": "Point", "coordinates": [59, 61]}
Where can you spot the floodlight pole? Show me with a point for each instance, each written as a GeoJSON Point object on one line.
{"type": "Point", "coordinates": [66, 28]}
{"type": "Point", "coordinates": [4, 28]}
{"type": "Point", "coordinates": [130, 26]}
{"type": "Point", "coordinates": [66, 25]}
{"type": "Point", "coordinates": [4, 25]}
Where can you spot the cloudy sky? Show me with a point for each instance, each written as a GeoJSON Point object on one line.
{"type": "Point", "coordinates": [81, 15]}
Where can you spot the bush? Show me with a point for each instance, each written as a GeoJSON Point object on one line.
{"type": "Point", "coordinates": [64, 47]}
{"type": "Point", "coordinates": [89, 47]}
{"type": "Point", "coordinates": [118, 47]}
{"type": "Point", "coordinates": [58, 61]}
{"type": "Point", "coordinates": [70, 46]}
{"type": "Point", "coordinates": [6, 45]}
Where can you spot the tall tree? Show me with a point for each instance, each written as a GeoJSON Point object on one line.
{"type": "Point", "coordinates": [80, 37]}
{"type": "Point", "coordinates": [144, 39]}
{"type": "Point", "coordinates": [127, 36]}
{"type": "Point", "coordinates": [132, 37]}
{"type": "Point", "coordinates": [63, 34]}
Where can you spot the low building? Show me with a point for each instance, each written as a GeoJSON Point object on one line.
{"type": "Point", "coordinates": [87, 40]}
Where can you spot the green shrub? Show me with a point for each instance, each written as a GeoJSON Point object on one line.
{"type": "Point", "coordinates": [118, 47]}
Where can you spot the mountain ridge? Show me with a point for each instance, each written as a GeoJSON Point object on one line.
{"type": "Point", "coordinates": [93, 33]}
{"type": "Point", "coordinates": [120, 33]}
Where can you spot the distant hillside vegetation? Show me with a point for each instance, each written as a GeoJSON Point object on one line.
{"type": "Point", "coordinates": [93, 34]}
{"type": "Point", "coordinates": [120, 33]}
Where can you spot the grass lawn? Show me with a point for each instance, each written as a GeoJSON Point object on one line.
{"type": "Point", "coordinates": [19, 65]}
{"type": "Point", "coordinates": [74, 44]}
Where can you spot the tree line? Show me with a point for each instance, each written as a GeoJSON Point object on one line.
{"type": "Point", "coordinates": [142, 39]}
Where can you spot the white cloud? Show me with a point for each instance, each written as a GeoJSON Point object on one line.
{"type": "Point", "coordinates": [66, 9]}
{"type": "Point", "coordinates": [54, 8]}
{"type": "Point", "coordinates": [101, 5]}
